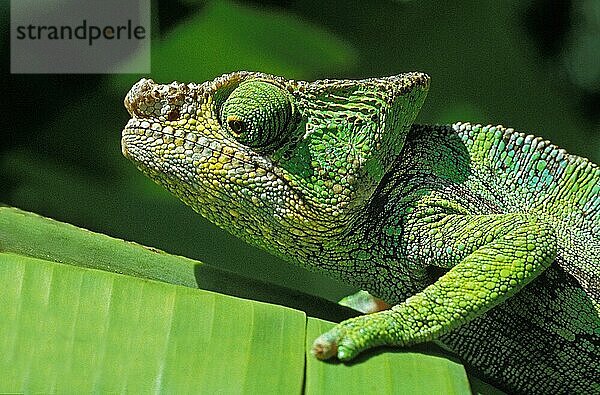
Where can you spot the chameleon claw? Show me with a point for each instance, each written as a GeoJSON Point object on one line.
{"type": "Point", "coordinates": [334, 344]}
{"type": "Point", "coordinates": [324, 347]}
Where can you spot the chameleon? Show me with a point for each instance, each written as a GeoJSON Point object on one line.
{"type": "Point", "coordinates": [482, 239]}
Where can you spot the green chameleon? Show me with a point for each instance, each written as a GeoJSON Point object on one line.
{"type": "Point", "coordinates": [483, 239]}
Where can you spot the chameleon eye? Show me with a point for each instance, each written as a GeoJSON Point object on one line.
{"type": "Point", "coordinates": [238, 127]}
{"type": "Point", "coordinates": [258, 114]}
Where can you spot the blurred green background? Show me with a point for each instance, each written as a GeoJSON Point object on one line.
{"type": "Point", "coordinates": [531, 65]}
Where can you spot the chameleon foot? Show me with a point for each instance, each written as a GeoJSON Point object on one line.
{"type": "Point", "coordinates": [349, 338]}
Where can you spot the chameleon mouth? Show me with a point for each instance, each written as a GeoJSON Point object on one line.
{"type": "Point", "coordinates": [142, 135]}
{"type": "Point", "coordinates": [169, 155]}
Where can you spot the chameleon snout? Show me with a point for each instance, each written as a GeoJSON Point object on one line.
{"type": "Point", "coordinates": [137, 95]}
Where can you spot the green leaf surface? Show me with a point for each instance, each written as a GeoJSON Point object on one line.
{"type": "Point", "coordinates": [69, 327]}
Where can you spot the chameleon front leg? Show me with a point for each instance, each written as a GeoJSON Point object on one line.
{"type": "Point", "coordinates": [491, 257]}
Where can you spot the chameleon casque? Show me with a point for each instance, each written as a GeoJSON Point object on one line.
{"type": "Point", "coordinates": [483, 239]}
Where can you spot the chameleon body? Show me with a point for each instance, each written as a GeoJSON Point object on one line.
{"type": "Point", "coordinates": [483, 239]}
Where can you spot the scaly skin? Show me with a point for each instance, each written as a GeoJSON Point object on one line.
{"type": "Point", "coordinates": [484, 240]}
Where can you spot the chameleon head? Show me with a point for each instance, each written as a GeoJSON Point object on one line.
{"type": "Point", "coordinates": [272, 160]}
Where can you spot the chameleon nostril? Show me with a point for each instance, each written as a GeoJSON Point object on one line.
{"type": "Point", "coordinates": [173, 115]}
